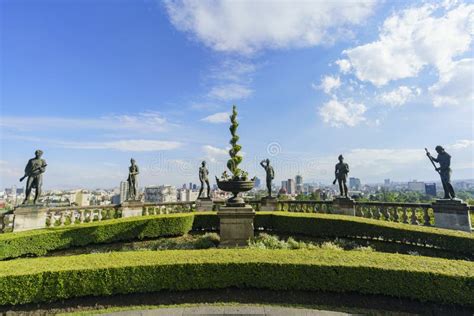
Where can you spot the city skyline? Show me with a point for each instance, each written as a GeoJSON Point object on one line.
{"type": "Point", "coordinates": [156, 83]}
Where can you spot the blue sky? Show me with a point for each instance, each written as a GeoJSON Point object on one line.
{"type": "Point", "coordinates": [94, 83]}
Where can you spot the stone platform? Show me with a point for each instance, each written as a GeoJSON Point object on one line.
{"type": "Point", "coordinates": [269, 204]}
{"type": "Point", "coordinates": [131, 208]}
{"type": "Point", "coordinates": [236, 225]}
{"type": "Point", "coordinates": [204, 204]}
{"type": "Point", "coordinates": [452, 214]}
{"type": "Point", "coordinates": [343, 205]}
{"type": "Point", "coordinates": [28, 217]}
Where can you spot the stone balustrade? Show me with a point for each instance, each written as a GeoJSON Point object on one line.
{"type": "Point", "coordinates": [407, 213]}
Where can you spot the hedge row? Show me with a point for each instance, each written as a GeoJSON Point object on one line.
{"type": "Point", "coordinates": [324, 225]}
{"type": "Point", "coordinates": [39, 242]}
{"type": "Point", "coordinates": [55, 278]}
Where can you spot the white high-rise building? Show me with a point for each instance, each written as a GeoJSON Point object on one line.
{"type": "Point", "coordinates": [123, 191]}
{"type": "Point", "coordinates": [161, 194]}
{"type": "Point", "coordinates": [299, 184]}
{"type": "Point", "coordinates": [291, 187]}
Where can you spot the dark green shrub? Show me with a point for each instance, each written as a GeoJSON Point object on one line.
{"type": "Point", "coordinates": [207, 221]}
{"type": "Point", "coordinates": [39, 242]}
{"type": "Point", "coordinates": [324, 225]}
{"type": "Point", "coordinates": [56, 278]}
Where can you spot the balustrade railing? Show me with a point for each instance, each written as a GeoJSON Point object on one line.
{"type": "Point", "coordinates": [408, 213]}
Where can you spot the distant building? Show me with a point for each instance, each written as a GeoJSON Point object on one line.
{"type": "Point", "coordinates": [430, 189]}
{"type": "Point", "coordinates": [354, 184]}
{"type": "Point", "coordinates": [299, 184]}
{"type": "Point", "coordinates": [386, 182]}
{"type": "Point", "coordinates": [416, 186]}
{"type": "Point", "coordinates": [160, 194]}
{"type": "Point", "coordinates": [82, 198]}
{"type": "Point", "coordinates": [116, 199]}
{"type": "Point", "coordinates": [284, 185]}
{"type": "Point", "coordinates": [123, 191]}
{"type": "Point", "coordinates": [291, 187]}
{"type": "Point", "coordinates": [187, 195]}
{"type": "Point", "coordinates": [258, 182]}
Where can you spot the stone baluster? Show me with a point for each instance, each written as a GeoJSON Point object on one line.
{"type": "Point", "coordinates": [81, 216]}
{"type": "Point", "coordinates": [62, 218]}
{"type": "Point", "coordinates": [99, 215]}
{"type": "Point", "coordinates": [72, 216]}
{"type": "Point", "coordinates": [414, 219]}
{"type": "Point", "coordinates": [395, 214]}
{"type": "Point", "coordinates": [404, 215]}
{"type": "Point", "coordinates": [358, 211]}
{"type": "Point", "coordinates": [145, 211]}
{"type": "Point", "coordinates": [377, 213]}
{"type": "Point", "coordinates": [370, 213]}
{"type": "Point", "coordinates": [426, 217]}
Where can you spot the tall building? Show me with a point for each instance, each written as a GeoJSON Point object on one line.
{"type": "Point", "coordinates": [386, 182]}
{"type": "Point", "coordinates": [82, 198]}
{"type": "Point", "coordinates": [430, 189]}
{"type": "Point", "coordinates": [258, 182]}
{"type": "Point", "coordinates": [416, 186]}
{"type": "Point", "coordinates": [284, 186]}
{"type": "Point", "coordinates": [354, 184]}
{"type": "Point", "coordinates": [299, 184]}
{"type": "Point", "coordinates": [160, 194]}
{"type": "Point", "coordinates": [187, 195]}
{"type": "Point", "coordinates": [291, 187]}
{"type": "Point", "coordinates": [123, 191]}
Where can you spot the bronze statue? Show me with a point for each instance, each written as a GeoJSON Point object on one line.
{"type": "Point", "coordinates": [34, 171]}
{"type": "Point", "coordinates": [444, 170]}
{"type": "Point", "coordinates": [203, 177]}
{"type": "Point", "coordinates": [342, 169]}
{"type": "Point", "coordinates": [270, 175]}
{"type": "Point", "coordinates": [132, 180]}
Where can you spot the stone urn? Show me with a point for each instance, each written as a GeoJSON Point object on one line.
{"type": "Point", "coordinates": [235, 187]}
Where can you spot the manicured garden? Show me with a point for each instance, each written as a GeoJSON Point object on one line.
{"type": "Point", "coordinates": [314, 260]}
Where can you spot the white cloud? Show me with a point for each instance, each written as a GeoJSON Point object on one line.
{"type": "Point", "coordinates": [248, 26]}
{"type": "Point", "coordinates": [213, 153]}
{"type": "Point", "coordinates": [233, 70]}
{"type": "Point", "coordinates": [329, 83]}
{"type": "Point", "coordinates": [338, 113]}
{"type": "Point", "coordinates": [124, 145]}
{"type": "Point", "coordinates": [221, 117]}
{"type": "Point", "coordinates": [228, 92]}
{"type": "Point", "coordinates": [411, 40]}
{"type": "Point", "coordinates": [344, 65]}
{"type": "Point", "coordinates": [455, 85]}
{"type": "Point", "coordinates": [462, 143]}
{"type": "Point", "coordinates": [399, 96]}
{"type": "Point", "coordinates": [141, 122]}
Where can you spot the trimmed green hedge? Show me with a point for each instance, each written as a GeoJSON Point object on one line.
{"type": "Point", "coordinates": [55, 278]}
{"type": "Point", "coordinates": [39, 242]}
{"type": "Point", "coordinates": [325, 225]}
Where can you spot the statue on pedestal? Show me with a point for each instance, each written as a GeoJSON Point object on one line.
{"type": "Point", "coordinates": [270, 175]}
{"type": "Point", "coordinates": [132, 181]}
{"type": "Point", "coordinates": [444, 170]}
{"type": "Point", "coordinates": [34, 172]}
{"type": "Point", "coordinates": [203, 177]}
{"type": "Point", "coordinates": [342, 169]}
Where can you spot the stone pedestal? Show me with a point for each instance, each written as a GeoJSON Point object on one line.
{"type": "Point", "coordinates": [236, 225]}
{"type": "Point", "coordinates": [343, 205]}
{"type": "Point", "coordinates": [269, 204]}
{"type": "Point", "coordinates": [204, 204]}
{"type": "Point", "coordinates": [131, 208]}
{"type": "Point", "coordinates": [28, 217]}
{"type": "Point", "coordinates": [452, 214]}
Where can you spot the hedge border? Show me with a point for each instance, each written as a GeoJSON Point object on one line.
{"type": "Point", "coordinates": [40, 242]}
{"type": "Point", "coordinates": [56, 278]}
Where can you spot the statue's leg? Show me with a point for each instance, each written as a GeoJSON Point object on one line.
{"type": "Point", "coordinates": [341, 189]}
{"type": "Point", "coordinates": [29, 183]}
{"type": "Point", "coordinates": [449, 185]}
{"type": "Point", "coordinates": [208, 189]}
{"type": "Point", "coordinates": [444, 182]}
{"type": "Point", "coordinates": [201, 189]}
{"type": "Point", "coordinates": [345, 188]}
{"type": "Point", "coordinates": [37, 183]}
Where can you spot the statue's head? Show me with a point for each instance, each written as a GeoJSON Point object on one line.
{"type": "Point", "coordinates": [268, 161]}
{"type": "Point", "coordinates": [203, 163]}
{"type": "Point", "coordinates": [38, 153]}
{"type": "Point", "coordinates": [132, 161]}
{"type": "Point", "coordinates": [439, 149]}
{"type": "Point", "coordinates": [341, 158]}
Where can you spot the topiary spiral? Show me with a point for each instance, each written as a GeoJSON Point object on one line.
{"type": "Point", "coordinates": [235, 158]}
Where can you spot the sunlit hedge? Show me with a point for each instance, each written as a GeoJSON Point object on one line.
{"type": "Point", "coordinates": [414, 277]}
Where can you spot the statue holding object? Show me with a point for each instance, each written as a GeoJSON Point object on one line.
{"type": "Point", "coordinates": [444, 170]}
{"type": "Point", "coordinates": [341, 172]}
{"type": "Point", "coordinates": [34, 172]}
